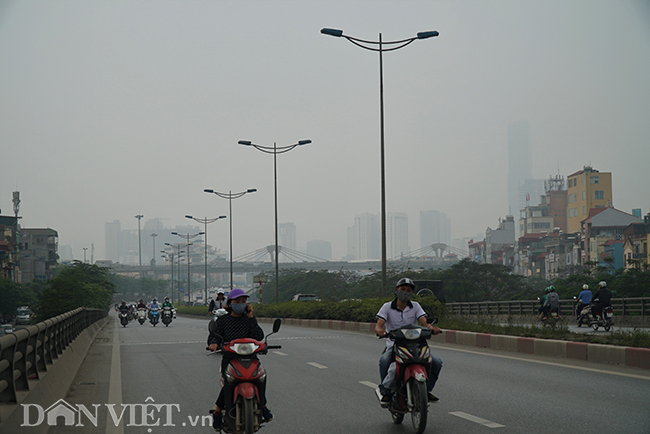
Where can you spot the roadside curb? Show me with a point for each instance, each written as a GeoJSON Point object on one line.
{"type": "Point", "coordinates": [598, 353]}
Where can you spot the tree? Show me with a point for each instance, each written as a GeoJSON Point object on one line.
{"type": "Point", "coordinates": [78, 285]}
{"type": "Point", "coordinates": [13, 295]}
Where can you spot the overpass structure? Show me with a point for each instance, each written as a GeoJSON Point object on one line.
{"type": "Point", "coordinates": [262, 260]}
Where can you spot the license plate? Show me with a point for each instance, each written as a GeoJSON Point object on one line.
{"type": "Point", "coordinates": [609, 314]}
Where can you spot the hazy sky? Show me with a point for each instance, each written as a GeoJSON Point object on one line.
{"type": "Point", "coordinates": [110, 109]}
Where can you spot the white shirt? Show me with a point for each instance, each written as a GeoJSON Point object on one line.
{"type": "Point", "coordinates": [396, 318]}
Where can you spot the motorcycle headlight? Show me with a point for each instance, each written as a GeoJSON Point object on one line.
{"type": "Point", "coordinates": [412, 334]}
{"type": "Point", "coordinates": [245, 349]}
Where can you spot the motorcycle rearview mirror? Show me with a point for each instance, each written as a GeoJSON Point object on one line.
{"type": "Point", "coordinates": [276, 325]}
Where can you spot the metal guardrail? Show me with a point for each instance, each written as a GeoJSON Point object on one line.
{"type": "Point", "coordinates": [637, 306]}
{"type": "Point", "coordinates": [26, 352]}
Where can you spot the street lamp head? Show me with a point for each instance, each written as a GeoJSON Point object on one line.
{"type": "Point", "coordinates": [251, 190]}
{"type": "Point", "coordinates": [222, 216]}
{"type": "Point", "coordinates": [304, 142]}
{"type": "Point", "coordinates": [208, 190]}
{"type": "Point", "coordinates": [201, 233]}
{"type": "Point", "coordinates": [189, 217]}
{"type": "Point", "coordinates": [174, 233]}
{"type": "Point", "coordinates": [245, 142]}
{"type": "Point", "coordinates": [430, 34]}
{"type": "Point", "coordinates": [332, 32]}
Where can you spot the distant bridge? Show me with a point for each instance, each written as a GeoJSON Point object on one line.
{"type": "Point", "coordinates": [433, 256]}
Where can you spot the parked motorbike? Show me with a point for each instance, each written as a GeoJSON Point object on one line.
{"type": "Point", "coordinates": [142, 315]}
{"type": "Point", "coordinates": [244, 374]}
{"type": "Point", "coordinates": [154, 316]}
{"type": "Point", "coordinates": [603, 319]}
{"type": "Point", "coordinates": [167, 315]}
{"type": "Point", "coordinates": [124, 318]}
{"type": "Point", "coordinates": [412, 365]}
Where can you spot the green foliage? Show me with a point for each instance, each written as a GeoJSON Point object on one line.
{"type": "Point", "coordinates": [13, 295]}
{"type": "Point", "coordinates": [191, 310]}
{"type": "Point", "coordinates": [468, 281]}
{"type": "Point", "coordinates": [349, 310]}
{"type": "Point", "coordinates": [77, 285]}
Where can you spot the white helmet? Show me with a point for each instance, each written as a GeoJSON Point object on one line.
{"type": "Point", "coordinates": [602, 284]}
{"type": "Point", "coordinates": [585, 286]}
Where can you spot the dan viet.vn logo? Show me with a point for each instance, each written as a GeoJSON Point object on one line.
{"type": "Point", "coordinates": [148, 414]}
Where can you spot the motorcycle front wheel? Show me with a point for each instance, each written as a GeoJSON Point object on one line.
{"type": "Point", "coordinates": [249, 416]}
{"type": "Point", "coordinates": [595, 327]}
{"type": "Point", "coordinates": [418, 392]}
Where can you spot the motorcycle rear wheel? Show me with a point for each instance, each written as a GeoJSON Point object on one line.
{"type": "Point", "coordinates": [420, 405]}
{"type": "Point", "coordinates": [595, 327]}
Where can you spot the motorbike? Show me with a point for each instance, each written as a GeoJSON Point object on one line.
{"type": "Point", "coordinates": [551, 319]}
{"type": "Point", "coordinates": [142, 315]}
{"type": "Point", "coordinates": [124, 318]}
{"type": "Point", "coordinates": [167, 316]}
{"type": "Point", "coordinates": [243, 412]}
{"type": "Point", "coordinates": [154, 316]}
{"type": "Point", "coordinates": [412, 365]}
{"type": "Point", "coordinates": [603, 319]}
{"type": "Point", "coordinates": [584, 316]}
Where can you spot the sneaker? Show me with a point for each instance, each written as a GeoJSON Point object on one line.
{"type": "Point", "coordinates": [385, 400]}
{"type": "Point", "coordinates": [217, 420]}
{"type": "Point", "coordinates": [267, 416]}
{"type": "Point", "coordinates": [432, 398]}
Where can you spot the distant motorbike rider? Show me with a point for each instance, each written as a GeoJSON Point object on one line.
{"type": "Point", "coordinates": [219, 303]}
{"type": "Point", "coordinates": [141, 305]}
{"type": "Point", "coordinates": [123, 308]}
{"type": "Point", "coordinates": [393, 315]}
{"type": "Point", "coordinates": [552, 303]}
{"type": "Point", "coordinates": [543, 311]}
{"type": "Point", "coordinates": [167, 303]}
{"type": "Point", "coordinates": [153, 306]}
{"type": "Point", "coordinates": [584, 298]}
{"type": "Point", "coordinates": [239, 323]}
{"type": "Point", "coordinates": [601, 299]}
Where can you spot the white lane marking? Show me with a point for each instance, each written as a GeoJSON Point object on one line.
{"type": "Point", "coordinates": [476, 419]}
{"type": "Point", "coordinates": [115, 380]}
{"type": "Point", "coordinates": [162, 343]}
{"type": "Point", "coordinates": [316, 365]}
{"type": "Point", "coordinates": [369, 384]}
{"type": "Point", "coordinates": [542, 362]}
{"type": "Point", "coordinates": [279, 353]}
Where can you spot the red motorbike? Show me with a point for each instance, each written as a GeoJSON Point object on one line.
{"type": "Point", "coordinates": [412, 365]}
{"type": "Point", "coordinates": [245, 374]}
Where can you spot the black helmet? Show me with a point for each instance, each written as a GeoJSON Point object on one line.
{"type": "Point", "coordinates": [405, 281]}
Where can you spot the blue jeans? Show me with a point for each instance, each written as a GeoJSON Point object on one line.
{"type": "Point", "coordinates": [387, 358]}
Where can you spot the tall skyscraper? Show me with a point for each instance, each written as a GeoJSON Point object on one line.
{"type": "Point", "coordinates": [435, 228]}
{"type": "Point", "coordinates": [112, 236]}
{"type": "Point", "coordinates": [367, 233]}
{"type": "Point", "coordinates": [287, 235]}
{"type": "Point", "coordinates": [520, 167]}
{"type": "Point", "coordinates": [397, 234]}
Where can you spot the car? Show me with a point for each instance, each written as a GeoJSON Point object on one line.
{"type": "Point", "coordinates": [6, 329]}
{"type": "Point", "coordinates": [23, 315]}
{"type": "Point", "coordinates": [305, 297]}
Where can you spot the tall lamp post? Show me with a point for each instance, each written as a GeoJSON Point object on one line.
{"type": "Point", "coordinates": [275, 151]}
{"type": "Point", "coordinates": [230, 196]}
{"type": "Point", "coordinates": [187, 237]}
{"type": "Point", "coordinates": [205, 221]}
{"type": "Point", "coordinates": [381, 46]}
{"type": "Point", "coordinates": [139, 217]}
{"type": "Point", "coordinates": [153, 258]}
{"type": "Point", "coordinates": [170, 257]}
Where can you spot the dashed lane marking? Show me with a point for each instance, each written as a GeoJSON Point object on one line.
{"type": "Point", "coordinates": [476, 419]}
{"type": "Point", "coordinates": [279, 353]}
{"type": "Point", "coordinates": [316, 365]}
{"type": "Point", "coordinates": [162, 343]}
{"type": "Point", "coordinates": [369, 384]}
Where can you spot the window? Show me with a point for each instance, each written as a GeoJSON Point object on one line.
{"type": "Point", "coordinates": [593, 179]}
{"type": "Point", "coordinates": [571, 212]}
{"type": "Point", "coordinates": [584, 210]}
{"type": "Point", "coordinates": [599, 194]}
{"type": "Point", "coordinates": [584, 195]}
{"type": "Point", "coordinates": [583, 179]}
{"type": "Point", "coordinates": [570, 198]}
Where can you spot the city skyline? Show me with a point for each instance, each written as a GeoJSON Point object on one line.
{"type": "Point", "coordinates": [116, 109]}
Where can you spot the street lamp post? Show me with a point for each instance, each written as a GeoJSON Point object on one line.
{"type": "Point", "coordinates": [275, 151]}
{"type": "Point", "coordinates": [230, 196]}
{"type": "Point", "coordinates": [188, 237]}
{"type": "Point", "coordinates": [170, 256]}
{"type": "Point", "coordinates": [381, 46]}
{"type": "Point", "coordinates": [153, 258]}
{"type": "Point", "coordinates": [139, 217]}
{"type": "Point", "coordinates": [85, 249]}
{"type": "Point", "coordinates": [205, 221]}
